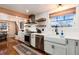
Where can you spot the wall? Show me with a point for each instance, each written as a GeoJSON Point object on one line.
{"type": "Point", "coordinates": [11, 19]}
{"type": "Point", "coordinates": [71, 32]}
{"type": "Point", "coordinates": [48, 29]}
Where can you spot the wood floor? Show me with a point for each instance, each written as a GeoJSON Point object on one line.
{"type": "Point", "coordinates": [6, 47]}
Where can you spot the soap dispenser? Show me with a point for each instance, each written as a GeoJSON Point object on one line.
{"type": "Point", "coordinates": [62, 34]}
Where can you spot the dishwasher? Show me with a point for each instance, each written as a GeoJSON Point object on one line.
{"type": "Point", "coordinates": [39, 43]}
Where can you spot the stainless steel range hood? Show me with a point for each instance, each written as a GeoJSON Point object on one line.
{"type": "Point", "coordinates": [31, 19]}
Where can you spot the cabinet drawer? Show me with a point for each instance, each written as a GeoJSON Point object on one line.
{"type": "Point", "coordinates": [48, 47]}
{"type": "Point", "coordinates": [53, 48]}
{"type": "Point", "coordinates": [59, 49]}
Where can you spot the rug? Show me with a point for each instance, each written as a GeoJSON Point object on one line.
{"type": "Point", "coordinates": [23, 49]}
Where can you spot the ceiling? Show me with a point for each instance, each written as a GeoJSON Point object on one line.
{"type": "Point", "coordinates": [33, 8]}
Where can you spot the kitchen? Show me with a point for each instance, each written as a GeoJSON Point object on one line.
{"type": "Point", "coordinates": [53, 31]}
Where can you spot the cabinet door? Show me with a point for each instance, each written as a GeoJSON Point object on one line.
{"type": "Point", "coordinates": [77, 47]}
{"type": "Point", "coordinates": [55, 49]}
{"type": "Point", "coordinates": [33, 40]}
{"type": "Point", "coordinates": [21, 36]}
{"type": "Point", "coordinates": [48, 47]}
{"type": "Point", "coordinates": [59, 49]}
{"type": "Point", "coordinates": [70, 47]}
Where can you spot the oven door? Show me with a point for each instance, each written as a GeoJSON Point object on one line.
{"type": "Point", "coordinates": [27, 39]}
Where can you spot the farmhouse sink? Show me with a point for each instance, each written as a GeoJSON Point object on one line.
{"type": "Point", "coordinates": [55, 39]}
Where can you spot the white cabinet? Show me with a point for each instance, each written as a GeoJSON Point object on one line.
{"type": "Point", "coordinates": [59, 49]}
{"type": "Point", "coordinates": [33, 40]}
{"type": "Point", "coordinates": [21, 36]}
{"type": "Point", "coordinates": [53, 48]}
{"type": "Point", "coordinates": [70, 47]}
{"type": "Point", "coordinates": [77, 47]}
{"type": "Point", "coordinates": [48, 47]}
{"type": "Point", "coordinates": [73, 47]}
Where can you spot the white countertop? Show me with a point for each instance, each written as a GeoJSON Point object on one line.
{"type": "Point", "coordinates": [39, 33]}
{"type": "Point", "coordinates": [72, 38]}
{"type": "Point", "coordinates": [58, 37]}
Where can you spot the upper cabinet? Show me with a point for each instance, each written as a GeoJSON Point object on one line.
{"type": "Point", "coordinates": [63, 18]}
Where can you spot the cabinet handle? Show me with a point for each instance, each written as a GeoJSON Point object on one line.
{"type": "Point", "coordinates": [53, 46]}
{"type": "Point", "coordinates": [76, 43]}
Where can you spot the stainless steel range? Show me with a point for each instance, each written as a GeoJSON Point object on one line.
{"type": "Point", "coordinates": [30, 28]}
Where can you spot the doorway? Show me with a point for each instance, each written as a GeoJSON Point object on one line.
{"type": "Point", "coordinates": [11, 29]}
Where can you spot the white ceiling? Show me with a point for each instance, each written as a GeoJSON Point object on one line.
{"type": "Point", "coordinates": [33, 8]}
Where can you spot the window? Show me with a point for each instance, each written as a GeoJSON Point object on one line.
{"type": "Point", "coordinates": [3, 26]}
{"type": "Point", "coordinates": [63, 21]}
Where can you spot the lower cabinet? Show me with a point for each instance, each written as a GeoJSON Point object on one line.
{"type": "Point", "coordinates": [70, 47]}
{"type": "Point", "coordinates": [55, 49]}
{"type": "Point", "coordinates": [60, 49]}
{"type": "Point", "coordinates": [48, 47]}
{"type": "Point", "coordinates": [21, 36]}
{"type": "Point", "coordinates": [77, 47]}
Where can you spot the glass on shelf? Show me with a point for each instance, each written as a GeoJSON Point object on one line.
{"type": "Point", "coordinates": [63, 21]}
{"type": "Point", "coordinates": [60, 18]}
{"type": "Point", "coordinates": [69, 16]}
{"type": "Point", "coordinates": [53, 23]}
{"type": "Point", "coordinates": [69, 22]}
{"type": "Point", "coordinates": [53, 19]}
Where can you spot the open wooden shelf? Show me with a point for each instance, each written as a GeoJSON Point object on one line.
{"type": "Point", "coordinates": [41, 20]}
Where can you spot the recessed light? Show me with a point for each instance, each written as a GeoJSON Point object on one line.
{"type": "Point", "coordinates": [27, 11]}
